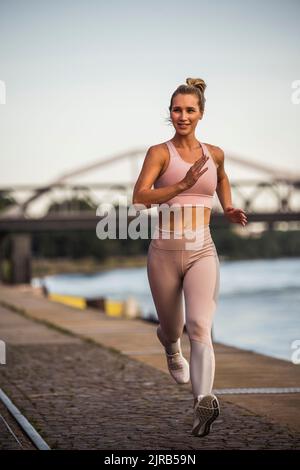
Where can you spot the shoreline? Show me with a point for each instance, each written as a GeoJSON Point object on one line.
{"type": "Point", "coordinates": [47, 267]}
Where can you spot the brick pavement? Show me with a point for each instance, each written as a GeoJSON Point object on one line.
{"type": "Point", "coordinates": [80, 395]}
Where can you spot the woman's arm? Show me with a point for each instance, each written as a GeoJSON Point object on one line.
{"type": "Point", "coordinates": [223, 187]}
{"type": "Point", "coordinates": [223, 191]}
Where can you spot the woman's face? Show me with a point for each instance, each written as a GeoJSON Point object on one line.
{"type": "Point", "coordinates": [185, 113]}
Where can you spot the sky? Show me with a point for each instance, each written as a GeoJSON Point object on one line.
{"type": "Point", "coordinates": [86, 80]}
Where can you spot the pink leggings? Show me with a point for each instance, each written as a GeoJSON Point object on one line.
{"type": "Point", "coordinates": [181, 265]}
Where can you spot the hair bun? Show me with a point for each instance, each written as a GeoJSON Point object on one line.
{"type": "Point", "coordinates": [197, 82]}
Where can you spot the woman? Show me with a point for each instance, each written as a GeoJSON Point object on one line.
{"type": "Point", "coordinates": [182, 257]}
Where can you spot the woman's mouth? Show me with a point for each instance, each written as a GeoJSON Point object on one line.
{"type": "Point", "coordinates": [183, 125]}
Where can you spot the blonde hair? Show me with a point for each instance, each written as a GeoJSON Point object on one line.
{"type": "Point", "coordinates": [193, 86]}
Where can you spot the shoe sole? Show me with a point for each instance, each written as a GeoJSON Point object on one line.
{"type": "Point", "coordinates": [214, 413]}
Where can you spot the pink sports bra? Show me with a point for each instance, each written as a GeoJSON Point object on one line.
{"type": "Point", "coordinates": [202, 192]}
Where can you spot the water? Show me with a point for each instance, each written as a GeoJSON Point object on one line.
{"type": "Point", "coordinates": [258, 306]}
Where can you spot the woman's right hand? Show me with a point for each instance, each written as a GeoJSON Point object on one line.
{"type": "Point", "coordinates": [194, 172]}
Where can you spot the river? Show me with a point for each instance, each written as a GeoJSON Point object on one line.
{"type": "Point", "coordinates": [258, 306]}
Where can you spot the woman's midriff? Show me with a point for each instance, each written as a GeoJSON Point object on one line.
{"type": "Point", "coordinates": [192, 217]}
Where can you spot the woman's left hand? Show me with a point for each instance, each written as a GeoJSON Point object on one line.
{"type": "Point", "coordinates": [237, 216]}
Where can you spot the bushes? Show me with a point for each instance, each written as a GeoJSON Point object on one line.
{"type": "Point", "coordinates": [271, 244]}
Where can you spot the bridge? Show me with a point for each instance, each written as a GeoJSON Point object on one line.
{"type": "Point", "coordinates": [271, 198]}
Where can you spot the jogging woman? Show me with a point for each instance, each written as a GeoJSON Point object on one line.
{"type": "Point", "coordinates": [182, 257]}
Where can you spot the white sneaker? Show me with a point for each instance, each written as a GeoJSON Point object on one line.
{"type": "Point", "coordinates": [178, 366]}
{"type": "Point", "coordinates": [206, 410]}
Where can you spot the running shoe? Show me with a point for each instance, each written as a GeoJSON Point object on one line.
{"type": "Point", "coordinates": [178, 366]}
{"type": "Point", "coordinates": [206, 410]}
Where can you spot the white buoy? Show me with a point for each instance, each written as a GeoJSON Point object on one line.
{"type": "Point", "coordinates": [131, 308]}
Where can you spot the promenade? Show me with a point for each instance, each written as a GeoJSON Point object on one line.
{"type": "Point", "coordinates": [88, 381]}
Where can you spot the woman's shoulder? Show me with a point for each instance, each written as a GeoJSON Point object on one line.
{"type": "Point", "coordinates": [159, 151]}
{"type": "Point", "coordinates": [157, 154]}
{"type": "Point", "coordinates": [161, 147]}
{"type": "Point", "coordinates": [216, 152]}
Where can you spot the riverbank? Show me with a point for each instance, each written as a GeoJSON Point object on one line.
{"type": "Point", "coordinates": [259, 310]}
{"type": "Point", "coordinates": [47, 266]}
